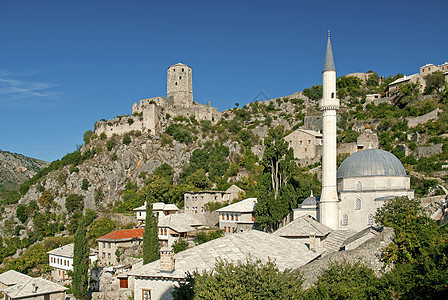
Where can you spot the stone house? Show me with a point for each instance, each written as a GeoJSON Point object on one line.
{"type": "Point", "coordinates": [10, 278]}
{"type": "Point", "coordinates": [194, 201]}
{"type": "Point", "coordinates": [159, 208]}
{"type": "Point", "coordinates": [36, 289]}
{"type": "Point", "coordinates": [306, 229]}
{"type": "Point", "coordinates": [393, 87]}
{"type": "Point", "coordinates": [307, 144]}
{"type": "Point", "coordinates": [61, 261]}
{"type": "Point", "coordinates": [238, 217]}
{"type": "Point", "coordinates": [118, 240]}
{"type": "Point", "coordinates": [173, 227]}
{"type": "Point", "coordinates": [368, 139]}
{"type": "Point", "coordinates": [156, 280]}
{"type": "Point", "coordinates": [431, 68]}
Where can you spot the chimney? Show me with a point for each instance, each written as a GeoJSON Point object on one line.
{"type": "Point", "coordinates": [313, 242]}
{"type": "Point", "coordinates": [166, 260]}
{"type": "Point", "coordinates": [34, 288]}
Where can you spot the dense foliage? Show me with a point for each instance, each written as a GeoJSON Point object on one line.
{"type": "Point", "coordinates": [80, 275]}
{"type": "Point", "coordinates": [251, 280]}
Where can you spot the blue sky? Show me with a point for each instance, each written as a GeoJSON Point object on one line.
{"type": "Point", "coordinates": [66, 64]}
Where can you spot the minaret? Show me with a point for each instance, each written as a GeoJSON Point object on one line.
{"type": "Point", "coordinates": [329, 203]}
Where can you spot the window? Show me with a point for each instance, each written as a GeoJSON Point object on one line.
{"type": "Point", "coordinates": [389, 184]}
{"type": "Point", "coordinates": [236, 217]}
{"type": "Point", "coordinates": [164, 231]}
{"type": "Point", "coordinates": [370, 220]}
{"type": "Point", "coordinates": [332, 95]}
{"type": "Point", "coordinates": [108, 245]}
{"type": "Point", "coordinates": [344, 220]}
{"type": "Point", "coordinates": [231, 217]}
{"type": "Point", "coordinates": [123, 283]}
{"type": "Point", "coordinates": [47, 297]}
{"type": "Point", "coordinates": [227, 216]}
{"type": "Point", "coordinates": [104, 255]}
{"type": "Point", "coordinates": [182, 69]}
{"type": "Point", "coordinates": [358, 204]}
{"type": "Point", "coordinates": [175, 83]}
{"type": "Point", "coordinates": [253, 217]}
{"type": "Point", "coordinates": [108, 255]}
{"type": "Point", "coordinates": [359, 186]}
{"type": "Point", "coordinates": [146, 294]}
{"type": "Point", "coordinates": [180, 77]}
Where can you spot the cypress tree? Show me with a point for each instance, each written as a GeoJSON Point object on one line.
{"type": "Point", "coordinates": [150, 236]}
{"type": "Point", "coordinates": [80, 279]}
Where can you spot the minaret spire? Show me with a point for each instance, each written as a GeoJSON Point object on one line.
{"type": "Point", "coordinates": [329, 61]}
{"type": "Point", "coordinates": [329, 202]}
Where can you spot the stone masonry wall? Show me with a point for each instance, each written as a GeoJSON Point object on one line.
{"type": "Point", "coordinates": [433, 115]}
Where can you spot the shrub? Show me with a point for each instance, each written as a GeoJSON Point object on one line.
{"type": "Point", "coordinates": [103, 136]}
{"type": "Point", "coordinates": [126, 139]}
{"type": "Point", "coordinates": [110, 144]}
{"type": "Point", "coordinates": [87, 136]}
{"type": "Point", "coordinates": [180, 245]}
{"type": "Point", "coordinates": [85, 184]}
{"type": "Point", "coordinates": [74, 203]}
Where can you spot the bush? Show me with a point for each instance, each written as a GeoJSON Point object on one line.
{"type": "Point", "coordinates": [110, 144]}
{"type": "Point", "coordinates": [87, 136]}
{"type": "Point", "coordinates": [126, 139]}
{"type": "Point", "coordinates": [180, 245]}
{"type": "Point", "coordinates": [74, 203]}
{"type": "Point", "coordinates": [103, 136]}
{"type": "Point", "coordinates": [85, 184]}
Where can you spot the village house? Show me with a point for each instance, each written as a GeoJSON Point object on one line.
{"type": "Point", "coordinates": [173, 227]}
{"type": "Point", "coordinates": [394, 86]}
{"type": "Point", "coordinates": [10, 278]}
{"type": "Point", "coordinates": [35, 289]}
{"type": "Point", "coordinates": [115, 242]}
{"type": "Point", "coordinates": [306, 144]}
{"type": "Point", "coordinates": [159, 208]}
{"type": "Point", "coordinates": [61, 260]}
{"type": "Point", "coordinates": [194, 202]}
{"type": "Point", "coordinates": [156, 280]}
{"type": "Point", "coordinates": [238, 217]}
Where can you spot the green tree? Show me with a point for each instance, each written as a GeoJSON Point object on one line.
{"type": "Point", "coordinates": [74, 203]}
{"type": "Point", "coordinates": [180, 245]}
{"type": "Point", "coordinates": [251, 280]}
{"type": "Point", "coordinates": [434, 82]}
{"type": "Point", "coordinates": [21, 213]}
{"type": "Point", "coordinates": [150, 236]}
{"type": "Point", "coordinates": [276, 196]}
{"type": "Point", "coordinates": [85, 184]}
{"type": "Point", "coordinates": [314, 93]}
{"type": "Point", "coordinates": [345, 281]}
{"type": "Point", "coordinates": [101, 227]}
{"type": "Point", "coordinates": [87, 136]}
{"type": "Point", "coordinates": [80, 279]}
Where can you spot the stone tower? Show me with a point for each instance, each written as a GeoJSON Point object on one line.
{"type": "Point", "coordinates": [179, 86]}
{"type": "Point", "coordinates": [329, 202]}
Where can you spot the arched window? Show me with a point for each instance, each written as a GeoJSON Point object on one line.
{"type": "Point", "coordinates": [389, 184]}
{"type": "Point", "coordinates": [344, 220]}
{"type": "Point", "coordinates": [357, 204]}
{"type": "Point", "coordinates": [359, 186]}
{"type": "Point", "coordinates": [332, 95]}
{"type": "Point", "coordinates": [370, 220]}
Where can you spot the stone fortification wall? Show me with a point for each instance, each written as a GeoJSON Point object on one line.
{"type": "Point", "coordinates": [146, 120]}
{"type": "Point", "coordinates": [433, 115]}
{"type": "Point", "coordinates": [198, 111]}
{"type": "Point", "coordinates": [142, 104]}
{"type": "Point", "coordinates": [313, 123]}
{"type": "Point", "coordinates": [368, 254]}
{"type": "Point", "coordinates": [428, 151]}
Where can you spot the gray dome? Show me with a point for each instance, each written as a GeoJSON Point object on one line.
{"type": "Point", "coordinates": [371, 162]}
{"type": "Point", "coordinates": [310, 201]}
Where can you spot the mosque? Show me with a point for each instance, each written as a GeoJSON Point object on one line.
{"type": "Point", "coordinates": [364, 181]}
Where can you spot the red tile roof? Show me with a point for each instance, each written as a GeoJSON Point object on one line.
{"type": "Point", "coordinates": [123, 234]}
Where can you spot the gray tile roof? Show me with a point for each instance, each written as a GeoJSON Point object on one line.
{"type": "Point", "coordinates": [238, 247]}
{"type": "Point", "coordinates": [33, 287]}
{"type": "Point", "coordinates": [304, 226]}
{"type": "Point", "coordinates": [12, 277]}
{"type": "Point", "coordinates": [246, 205]}
{"type": "Point", "coordinates": [66, 250]}
{"type": "Point", "coordinates": [360, 234]}
{"type": "Point", "coordinates": [179, 222]}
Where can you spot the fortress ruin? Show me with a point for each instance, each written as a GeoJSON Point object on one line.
{"type": "Point", "coordinates": [149, 114]}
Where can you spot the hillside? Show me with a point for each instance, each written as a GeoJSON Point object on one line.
{"type": "Point", "coordinates": [114, 175]}
{"type": "Point", "coordinates": [15, 169]}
